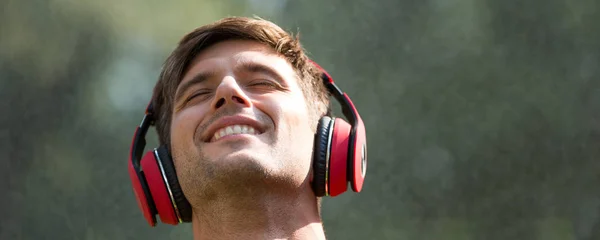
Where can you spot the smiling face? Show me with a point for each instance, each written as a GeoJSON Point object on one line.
{"type": "Point", "coordinates": [240, 117]}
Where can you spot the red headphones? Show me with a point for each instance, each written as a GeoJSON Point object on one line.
{"type": "Point", "coordinates": [339, 157]}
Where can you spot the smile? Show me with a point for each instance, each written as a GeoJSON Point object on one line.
{"type": "Point", "coordinates": [233, 130]}
{"type": "Point", "coordinates": [232, 125]}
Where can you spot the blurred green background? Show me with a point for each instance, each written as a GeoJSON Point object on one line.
{"type": "Point", "coordinates": [483, 116]}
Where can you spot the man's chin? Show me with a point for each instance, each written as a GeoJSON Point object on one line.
{"type": "Point", "coordinates": [238, 156]}
{"type": "Point", "coordinates": [220, 148]}
{"type": "Point", "coordinates": [253, 157]}
{"type": "Point", "coordinates": [235, 153]}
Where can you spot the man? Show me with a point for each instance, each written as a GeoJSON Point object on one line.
{"type": "Point", "coordinates": [236, 108]}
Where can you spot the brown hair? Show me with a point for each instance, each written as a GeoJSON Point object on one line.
{"type": "Point", "coordinates": [234, 28]}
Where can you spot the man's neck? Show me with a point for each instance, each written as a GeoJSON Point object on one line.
{"type": "Point", "coordinates": [264, 216]}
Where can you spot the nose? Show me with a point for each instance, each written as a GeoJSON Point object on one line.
{"type": "Point", "coordinates": [229, 92]}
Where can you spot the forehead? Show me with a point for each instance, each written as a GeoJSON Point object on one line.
{"type": "Point", "coordinates": [234, 48]}
{"type": "Point", "coordinates": [227, 55]}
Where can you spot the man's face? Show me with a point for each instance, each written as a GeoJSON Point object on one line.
{"type": "Point", "coordinates": [240, 122]}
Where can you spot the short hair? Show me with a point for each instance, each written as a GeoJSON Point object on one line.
{"type": "Point", "coordinates": [235, 28]}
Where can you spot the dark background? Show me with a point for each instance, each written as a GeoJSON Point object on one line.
{"type": "Point", "coordinates": [483, 116]}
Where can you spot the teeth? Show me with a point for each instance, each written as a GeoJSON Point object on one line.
{"type": "Point", "coordinates": [235, 129]}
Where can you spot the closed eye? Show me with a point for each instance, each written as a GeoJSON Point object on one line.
{"type": "Point", "coordinates": [262, 83]}
{"type": "Point", "coordinates": [265, 83]}
{"type": "Point", "coordinates": [202, 94]}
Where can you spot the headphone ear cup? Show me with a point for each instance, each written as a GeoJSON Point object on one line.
{"type": "Point", "coordinates": [321, 156]}
{"type": "Point", "coordinates": [181, 204]}
{"type": "Point", "coordinates": [338, 157]}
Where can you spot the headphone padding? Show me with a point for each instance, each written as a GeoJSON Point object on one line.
{"type": "Point", "coordinates": [183, 206]}
{"type": "Point", "coordinates": [321, 149]}
{"type": "Point", "coordinates": [158, 188]}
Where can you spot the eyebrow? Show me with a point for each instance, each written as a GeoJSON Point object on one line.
{"type": "Point", "coordinates": [199, 78]}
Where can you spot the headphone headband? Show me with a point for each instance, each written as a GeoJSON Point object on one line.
{"type": "Point", "coordinates": [139, 139]}
{"type": "Point", "coordinates": [348, 108]}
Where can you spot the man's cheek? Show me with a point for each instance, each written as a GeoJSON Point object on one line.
{"type": "Point", "coordinates": [295, 110]}
{"type": "Point", "coordinates": [183, 126]}
{"type": "Point", "coordinates": [177, 136]}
